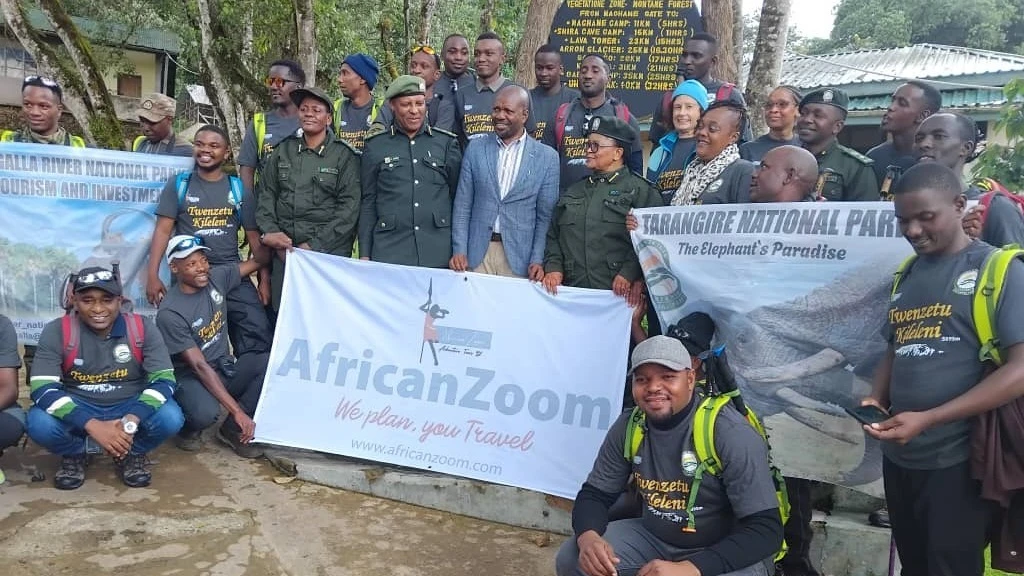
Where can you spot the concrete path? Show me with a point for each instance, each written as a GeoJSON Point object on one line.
{"type": "Point", "coordinates": [214, 514]}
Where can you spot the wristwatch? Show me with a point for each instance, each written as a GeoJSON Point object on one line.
{"type": "Point", "coordinates": [129, 426]}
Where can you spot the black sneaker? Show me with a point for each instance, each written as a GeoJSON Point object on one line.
{"type": "Point", "coordinates": [134, 470]}
{"type": "Point", "coordinates": [229, 436]}
{"type": "Point", "coordinates": [189, 441]}
{"type": "Point", "coordinates": [72, 472]}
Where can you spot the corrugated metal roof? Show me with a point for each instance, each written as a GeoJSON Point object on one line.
{"type": "Point", "coordinates": [148, 39]}
{"type": "Point", "coordinates": [918, 61]}
{"type": "Point", "coordinates": [960, 98]}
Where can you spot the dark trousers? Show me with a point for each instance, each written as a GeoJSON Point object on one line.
{"type": "Point", "coordinates": [12, 427]}
{"type": "Point", "coordinates": [201, 409]}
{"type": "Point", "coordinates": [938, 519]}
{"type": "Point", "coordinates": [248, 325]}
{"type": "Point", "coordinates": [798, 530]}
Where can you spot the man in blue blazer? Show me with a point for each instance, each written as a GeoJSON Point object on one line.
{"type": "Point", "coordinates": [507, 191]}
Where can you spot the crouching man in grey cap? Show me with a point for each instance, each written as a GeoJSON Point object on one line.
{"type": "Point", "coordinates": [692, 524]}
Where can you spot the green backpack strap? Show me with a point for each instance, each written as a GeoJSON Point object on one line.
{"type": "Point", "coordinates": [988, 290]}
{"type": "Point", "coordinates": [634, 434]}
{"type": "Point", "coordinates": [901, 272]}
{"type": "Point", "coordinates": [259, 129]}
{"type": "Point", "coordinates": [138, 143]}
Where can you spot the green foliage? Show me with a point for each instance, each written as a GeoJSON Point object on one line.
{"type": "Point", "coordinates": [986, 24]}
{"type": "Point", "coordinates": [1005, 163]}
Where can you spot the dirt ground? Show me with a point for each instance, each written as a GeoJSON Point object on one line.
{"type": "Point", "coordinates": [214, 514]}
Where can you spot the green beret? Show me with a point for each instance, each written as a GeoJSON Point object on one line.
{"type": "Point", "coordinates": [300, 94]}
{"type": "Point", "coordinates": [614, 128]}
{"type": "Point", "coordinates": [831, 96]}
{"type": "Point", "coordinates": [406, 86]}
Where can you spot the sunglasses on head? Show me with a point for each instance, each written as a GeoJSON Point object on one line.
{"type": "Point", "coordinates": [273, 82]}
{"type": "Point", "coordinates": [92, 277]}
{"type": "Point", "coordinates": [44, 82]}
{"type": "Point", "coordinates": [424, 48]}
{"type": "Point", "coordinates": [186, 244]}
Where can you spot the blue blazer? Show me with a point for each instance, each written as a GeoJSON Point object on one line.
{"type": "Point", "coordinates": [525, 212]}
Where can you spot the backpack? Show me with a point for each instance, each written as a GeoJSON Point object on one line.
{"type": "Point", "coordinates": [987, 290]}
{"type": "Point", "coordinates": [69, 140]}
{"type": "Point", "coordinates": [718, 377]}
{"type": "Point", "coordinates": [562, 115]}
{"type": "Point", "coordinates": [990, 188]}
{"type": "Point", "coordinates": [71, 329]}
{"type": "Point", "coordinates": [138, 143]}
{"type": "Point", "coordinates": [181, 185]}
{"type": "Point", "coordinates": [723, 93]}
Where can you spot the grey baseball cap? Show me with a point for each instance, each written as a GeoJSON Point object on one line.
{"type": "Point", "coordinates": [663, 350]}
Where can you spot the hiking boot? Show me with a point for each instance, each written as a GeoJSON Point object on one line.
{"type": "Point", "coordinates": [134, 470]}
{"type": "Point", "coordinates": [230, 437]}
{"type": "Point", "coordinates": [72, 472]}
{"type": "Point", "coordinates": [189, 441]}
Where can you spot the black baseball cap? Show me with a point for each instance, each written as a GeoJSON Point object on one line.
{"type": "Point", "coordinates": [695, 332]}
{"type": "Point", "coordinates": [99, 278]}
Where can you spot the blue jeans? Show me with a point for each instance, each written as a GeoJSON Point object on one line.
{"type": "Point", "coordinates": [62, 439]}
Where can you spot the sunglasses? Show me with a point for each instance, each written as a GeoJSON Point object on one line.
{"type": "Point", "coordinates": [594, 146]}
{"type": "Point", "coordinates": [424, 48]}
{"type": "Point", "coordinates": [92, 277]}
{"type": "Point", "coordinates": [273, 82]}
{"type": "Point", "coordinates": [49, 83]}
{"type": "Point", "coordinates": [186, 244]}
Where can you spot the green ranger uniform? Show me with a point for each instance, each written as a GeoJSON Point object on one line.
{"type": "Point", "coordinates": [408, 186]}
{"type": "Point", "coordinates": [843, 173]}
{"type": "Point", "coordinates": [310, 194]}
{"type": "Point", "coordinates": [588, 241]}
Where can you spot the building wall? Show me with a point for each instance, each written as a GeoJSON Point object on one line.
{"type": "Point", "coordinates": [16, 64]}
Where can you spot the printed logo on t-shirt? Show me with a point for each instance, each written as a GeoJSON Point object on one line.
{"type": "Point", "coordinates": [714, 186]}
{"type": "Point", "coordinates": [916, 351]}
{"type": "Point", "coordinates": [690, 463]}
{"type": "Point", "coordinates": [122, 354]}
{"type": "Point", "coordinates": [191, 199]}
{"type": "Point", "coordinates": [216, 296]}
{"type": "Point", "coordinates": [467, 107]}
{"type": "Point", "coordinates": [344, 123]}
{"type": "Point", "coordinates": [198, 322]}
{"type": "Point", "coordinates": [964, 284]}
{"type": "Point", "coordinates": [896, 296]}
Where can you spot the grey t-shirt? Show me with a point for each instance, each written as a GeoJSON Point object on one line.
{"type": "Point", "coordinates": [885, 155]}
{"type": "Point", "coordinates": [932, 331]}
{"type": "Point", "coordinates": [104, 372]}
{"type": "Point", "coordinates": [543, 106]}
{"type": "Point", "coordinates": [755, 150]}
{"type": "Point", "coordinates": [1004, 223]}
{"type": "Point", "coordinates": [446, 86]}
{"type": "Point", "coordinates": [8, 344]}
{"type": "Point", "coordinates": [355, 121]}
{"type": "Point", "coordinates": [198, 320]}
{"type": "Point", "coordinates": [208, 211]}
{"type": "Point", "coordinates": [278, 129]}
{"type": "Point", "coordinates": [744, 488]}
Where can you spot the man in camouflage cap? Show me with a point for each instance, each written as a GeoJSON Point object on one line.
{"type": "Point", "coordinates": [588, 245]}
{"type": "Point", "coordinates": [409, 175]}
{"type": "Point", "coordinates": [844, 173]}
{"type": "Point", "coordinates": [156, 115]}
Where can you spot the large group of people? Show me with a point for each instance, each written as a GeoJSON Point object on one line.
{"type": "Point", "coordinates": [458, 167]}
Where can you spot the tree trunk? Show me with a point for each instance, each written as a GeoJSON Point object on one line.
{"type": "Point", "coordinates": [767, 63]}
{"type": "Point", "coordinates": [539, 16]}
{"type": "Point", "coordinates": [427, 10]}
{"type": "Point", "coordinates": [86, 95]}
{"type": "Point", "coordinates": [737, 40]}
{"type": "Point", "coordinates": [305, 26]}
{"type": "Point", "coordinates": [247, 41]}
{"type": "Point", "coordinates": [718, 21]}
{"type": "Point", "coordinates": [487, 17]}
{"type": "Point", "coordinates": [389, 62]}
{"type": "Point", "coordinates": [230, 108]}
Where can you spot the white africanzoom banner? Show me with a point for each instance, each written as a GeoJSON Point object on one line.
{"type": "Point", "coordinates": [478, 376]}
{"type": "Point", "coordinates": [799, 294]}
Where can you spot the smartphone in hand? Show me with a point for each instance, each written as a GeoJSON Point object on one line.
{"type": "Point", "coordinates": [868, 415]}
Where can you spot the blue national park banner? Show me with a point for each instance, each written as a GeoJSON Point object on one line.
{"type": "Point", "coordinates": [799, 295]}
{"type": "Point", "coordinates": [62, 208]}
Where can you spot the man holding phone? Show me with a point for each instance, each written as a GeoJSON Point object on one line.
{"type": "Point", "coordinates": [932, 382]}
